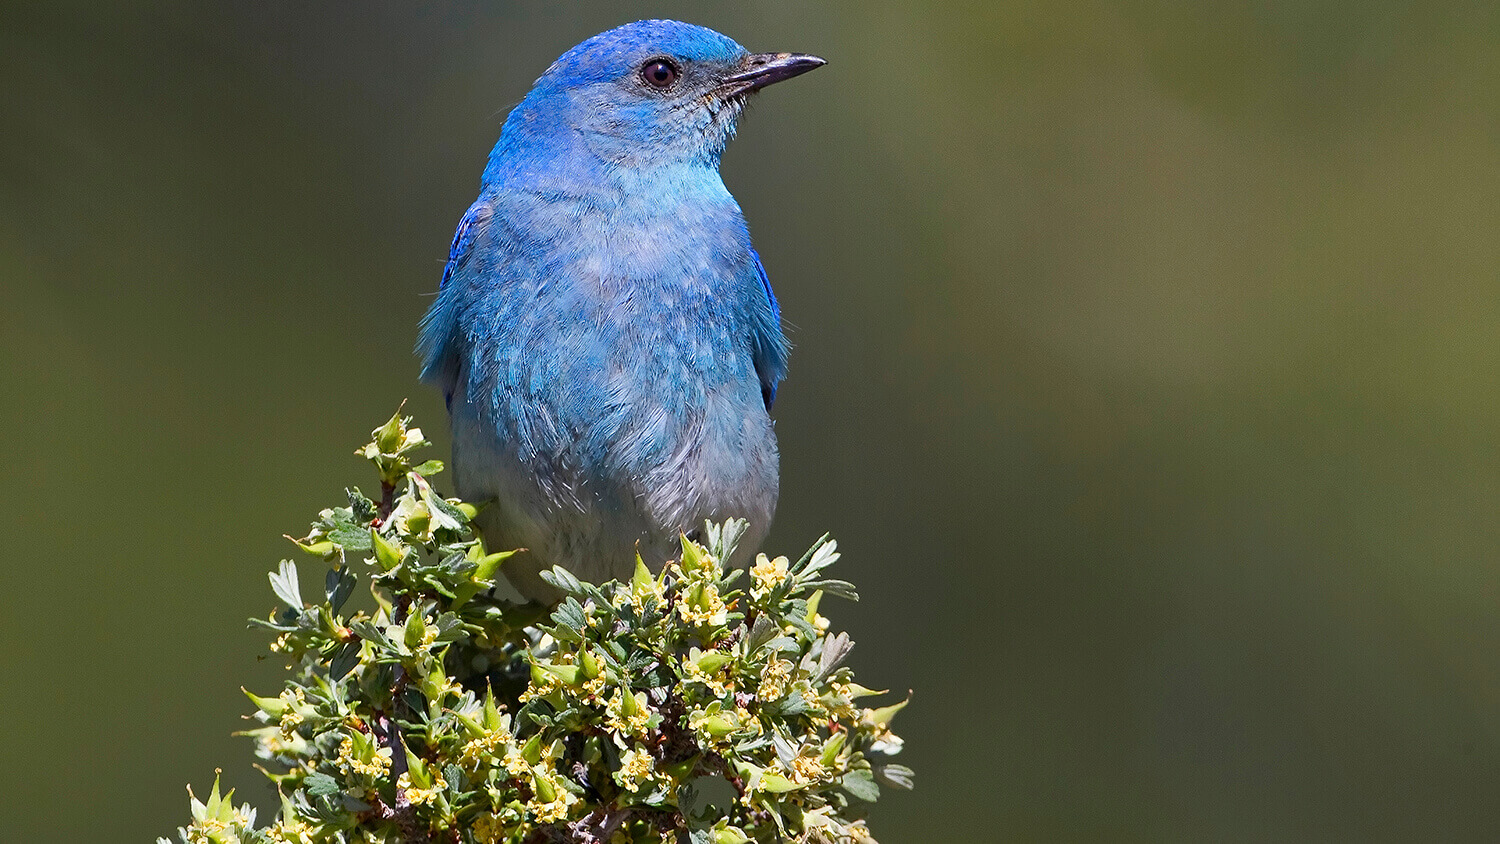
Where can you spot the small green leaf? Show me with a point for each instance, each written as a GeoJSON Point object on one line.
{"type": "Point", "coordinates": [897, 776]}
{"type": "Point", "coordinates": [338, 585]}
{"type": "Point", "coordinates": [321, 785]}
{"type": "Point", "coordinates": [861, 785]}
{"type": "Point", "coordinates": [489, 566]}
{"type": "Point", "coordinates": [428, 468]}
{"type": "Point", "coordinates": [284, 584]}
{"type": "Point", "coordinates": [344, 661]}
{"type": "Point", "coordinates": [563, 580]}
{"type": "Point", "coordinates": [884, 714]}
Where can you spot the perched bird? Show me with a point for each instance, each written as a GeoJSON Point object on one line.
{"type": "Point", "coordinates": [605, 334]}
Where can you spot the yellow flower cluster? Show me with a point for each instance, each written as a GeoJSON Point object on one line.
{"type": "Point", "coordinates": [631, 723]}
{"type": "Point", "coordinates": [489, 828]}
{"type": "Point", "coordinates": [768, 574]}
{"type": "Point", "coordinates": [546, 686]}
{"type": "Point", "coordinates": [207, 831]}
{"type": "Point", "coordinates": [702, 606]}
{"type": "Point", "coordinates": [516, 764]}
{"type": "Point", "coordinates": [291, 832]}
{"type": "Point", "coordinates": [649, 588]}
{"type": "Point", "coordinates": [695, 674]}
{"type": "Point", "coordinates": [774, 680]}
{"type": "Point", "coordinates": [593, 689]}
{"type": "Point", "coordinates": [635, 770]}
{"type": "Point", "coordinates": [290, 717]}
{"type": "Point", "coordinates": [377, 767]}
{"type": "Point", "coordinates": [421, 796]}
{"type": "Point", "coordinates": [806, 768]}
{"type": "Point", "coordinates": [483, 748]}
{"type": "Point", "coordinates": [550, 802]}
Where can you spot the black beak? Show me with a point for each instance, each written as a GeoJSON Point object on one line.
{"type": "Point", "coordinates": [762, 69]}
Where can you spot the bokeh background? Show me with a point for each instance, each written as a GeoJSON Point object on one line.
{"type": "Point", "coordinates": [1146, 370]}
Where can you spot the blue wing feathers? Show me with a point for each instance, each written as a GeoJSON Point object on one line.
{"type": "Point", "coordinates": [770, 346]}
{"type": "Point", "coordinates": [435, 343]}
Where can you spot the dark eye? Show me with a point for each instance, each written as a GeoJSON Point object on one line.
{"type": "Point", "coordinates": [659, 73]}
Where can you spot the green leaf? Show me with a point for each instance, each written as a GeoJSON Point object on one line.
{"type": "Point", "coordinates": [835, 649]}
{"type": "Point", "coordinates": [563, 580]}
{"type": "Point", "coordinates": [571, 613]}
{"type": "Point", "coordinates": [338, 585]}
{"type": "Point", "coordinates": [428, 468]}
{"type": "Point", "coordinates": [366, 630]}
{"type": "Point", "coordinates": [321, 785]}
{"type": "Point", "coordinates": [361, 509]}
{"type": "Point", "coordinates": [489, 566]}
{"type": "Point", "coordinates": [761, 633]}
{"type": "Point", "coordinates": [861, 785]}
{"type": "Point", "coordinates": [344, 661]}
{"type": "Point", "coordinates": [284, 584]}
{"type": "Point", "coordinates": [348, 535]}
{"type": "Point", "coordinates": [897, 776]}
{"type": "Point", "coordinates": [806, 558]}
{"type": "Point", "coordinates": [723, 539]}
{"type": "Point", "coordinates": [839, 588]}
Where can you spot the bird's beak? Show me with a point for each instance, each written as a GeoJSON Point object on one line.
{"type": "Point", "coordinates": [762, 69]}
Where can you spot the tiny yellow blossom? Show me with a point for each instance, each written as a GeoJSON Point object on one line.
{"type": "Point", "coordinates": [773, 680]}
{"type": "Point", "coordinates": [887, 742]}
{"type": "Point", "coordinates": [695, 674]}
{"type": "Point", "coordinates": [350, 764]}
{"type": "Point", "coordinates": [548, 811]}
{"type": "Point", "coordinates": [547, 685]}
{"type": "Point", "coordinates": [483, 748]}
{"type": "Point", "coordinates": [291, 717]}
{"type": "Point", "coordinates": [635, 770]}
{"type": "Point", "coordinates": [748, 723]}
{"type": "Point", "coordinates": [806, 769]}
{"type": "Point", "coordinates": [516, 764]}
{"type": "Point", "coordinates": [488, 828]}
{"type": "Point", "coordinates": [421, 796]}
{"type": "Point", "coordinates": [627, 723]}
{"type": "Point", "coordinates": [291, 832]}
{"type": "Point", "coordinates": [768, 574]}
{"type": "Point", "coordinates": [703, 606]}
{"type": "Point", "coordinates": [593, 689]}
{"type": "Point", "coordinates": [207, 831]}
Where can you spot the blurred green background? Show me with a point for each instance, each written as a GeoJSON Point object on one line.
{"type": "Point", "coordinates": [1146, 370]}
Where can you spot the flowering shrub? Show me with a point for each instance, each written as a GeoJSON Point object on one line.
{"type": "Point", "coordinates": [678, 706]}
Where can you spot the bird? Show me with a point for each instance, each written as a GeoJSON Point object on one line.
{"type": "Point", "coordinates": [605, 335]}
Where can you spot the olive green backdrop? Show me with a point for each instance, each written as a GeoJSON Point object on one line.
{"type": "Point", "coordinates": [1147, 369]}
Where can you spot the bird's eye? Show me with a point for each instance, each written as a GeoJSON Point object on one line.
{"type": "Point", "coordinates": [659, 73]}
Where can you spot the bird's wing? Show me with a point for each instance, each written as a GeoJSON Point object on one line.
{"type": "Point", "coordinates": [463, 239]}
{"type": "Point", "coordinates": [435, 343]}
{"type": "Point", "coordinates": [769, 344]}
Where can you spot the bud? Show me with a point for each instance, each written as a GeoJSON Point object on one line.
{"type": "Point", "coordinates": [387, 554]}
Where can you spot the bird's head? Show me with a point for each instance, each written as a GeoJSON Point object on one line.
{"type": "Point", "coordinates": [652, 92]}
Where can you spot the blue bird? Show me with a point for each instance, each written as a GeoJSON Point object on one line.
{"type": "Point", "coordinates": [605, 334]}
